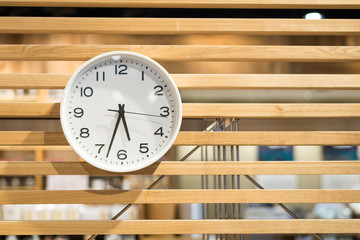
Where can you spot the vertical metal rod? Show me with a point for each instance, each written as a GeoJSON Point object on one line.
{"type": "Point", "coordinates": [238, 176]}
{"type": "Point", "coordinates": [221, 124]}
{"type": "Point", "coordinates": [225, 180]}
{"type": "Point", "coordinates": [215, 209]}
{"type": "Point", "coordinates": [233, 177]}
{"type": "Point", "coordinates": [217, 182]}
{"type": "Point", "coordinates": [202, 187]}
{"type": "Point", "coordinates": [207, 187]}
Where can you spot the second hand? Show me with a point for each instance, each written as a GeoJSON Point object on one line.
{"type": "Point", "coordinates": [143, 114]}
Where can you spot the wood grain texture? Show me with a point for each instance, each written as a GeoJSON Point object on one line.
{"type": "Point", "coordinates": [187, 168]}
{"type": "Point", "coordinates": [206, 110]}
{"type": "Point", "coordinates": [295, 226]}
{"type": "Point", "coordinates": [29, 110]}
{"type": "Point", "coordinates": [205, 81]}
{"type": "Point", "coordinates": [185, 52]}
{"type": "Point", "coordinates": [31, 138]}
{"type": "Point", "coordinates": [177, 196]}
{"type": "Point", "coordinates": [33, 81]}
{"type": "Point", "coordinates": [295, 4]}
{"type": "Point", "coordinates": [46, 25]}
{"type": "Point", "coordinates": [286, 138]}
{"type": "Point", "coordinates": [267, 110]}
{"type": "Point", "coordinates": [267, 81]}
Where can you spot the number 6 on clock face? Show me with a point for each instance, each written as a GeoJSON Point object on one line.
{"type": "Point", "coordinates": [121, 111]}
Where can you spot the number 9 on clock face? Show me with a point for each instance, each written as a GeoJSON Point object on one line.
{"type": "Point", "coordinates": [121, 111]}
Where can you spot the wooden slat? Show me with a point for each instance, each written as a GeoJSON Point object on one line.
{"type": "Point", "coordinates": [43, 25]}
{"type": "Point", "coordinates": [206, 110]}
{"type": "Point", "coordinates": [206, 81]}
{"type": "Point", "coordinates": [32, 148]}
{"type": "Point", "coordinates": [295, 226]}
{"type": "Point", "coordinates": [266, 81]}
{"type": "Point", "coordinates": [33, 81]}
{"type": "Point", "coordinates": [203, 110]}
{"type": "Point", "coordinates": [186, 52]}
{"type": "Point", "coordinates": [295, 4]}
{"type": "Point", "coordinates": [187, 168]}
{"type": "Point", "coordinates": [32, 138]}
{"type": "Point", "coordinates": [286, 138]}
{"type": "Point", "coordinates": [177, 196]}
{"type": "Point", "coordinates": [29, 110]}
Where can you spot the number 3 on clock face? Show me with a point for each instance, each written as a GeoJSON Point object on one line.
{"type": "Point", "coordinates": [121, 111]}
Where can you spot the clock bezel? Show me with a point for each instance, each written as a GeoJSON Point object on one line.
{"type": "Point", "coordinates": [90, 64]}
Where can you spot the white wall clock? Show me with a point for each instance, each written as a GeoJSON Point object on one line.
{"type": "Point", "coordinates": [121, 111]}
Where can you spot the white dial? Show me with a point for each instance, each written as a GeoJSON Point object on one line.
{"type": "Point", "coordinates": [121, 111]}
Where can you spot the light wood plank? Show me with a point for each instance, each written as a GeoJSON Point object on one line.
{"type": "Point", "coordinates": [205, 81]}
{"type": "Point", "coordinates": [29, 110]}
{"type": "Point", "coordinates": [286, 138]}
{"type": "Point", "coordinates": [187, 168]}
{"type": "Point", "coordinates": [295, 226]}
{"type": "Point", "coordinates": [185, 52]}
{"type": "Point", "coordinates": [32, 138]}
{"type": "Point", "coordinates": [267, 81]}
{"type": "Point", "coordinates": [295, 4]}
{"type": "Point", "coordinates": [32, 148]}
{"type": "Point", "coordinates": [207, 110]}
{"type": "Point", "coordinates": [46, 25]}
{"type": "Point", "coordinates": [177, 196]}
{"type": "Point", "coordinates": [203, 110]}
{"type": "Point", "coordinates": [33, 81]}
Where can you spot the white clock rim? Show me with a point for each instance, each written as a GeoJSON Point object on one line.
{"type": "Point", "coordinates": [64, 120]}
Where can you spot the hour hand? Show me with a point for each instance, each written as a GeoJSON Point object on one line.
{"type": "Point", "coordinates": [122, 110]}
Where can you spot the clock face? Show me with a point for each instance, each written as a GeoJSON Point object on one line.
{"type": "Point", "coordinates": [121, 111]}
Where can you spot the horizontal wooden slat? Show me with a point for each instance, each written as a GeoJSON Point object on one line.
{"type": "Point", "coordinates": [286, 138]}
{"type": "Point", "coordinates": [266, 81]}
{"type": "Point", "coordinates": [187, 168]}
{"type": "Point", "coordinates": [32, 148]}
{"type": "Point", "coordinates": [295, 226]}
{"type": "Point", "coordinates": [29, 110]}
{"type": "Point", "coordinates": [205, 81]}
{"type": "Point", "coordinates": [34, 81]}
{"type": "Point", "coordinates": [186, 52]}
{"type": "Point", "coordinates": [179, 26]}
{"type": "Point", "coordinates": [32, 138]}
{"type": "Point", "coordinates": [206, 110]}
{"type": "Point", "coordinates": [202, 110]}
{"type": "Point", "coordinates": [177, 196]}
{"type": "Point", "coordinates": [307, 4]}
